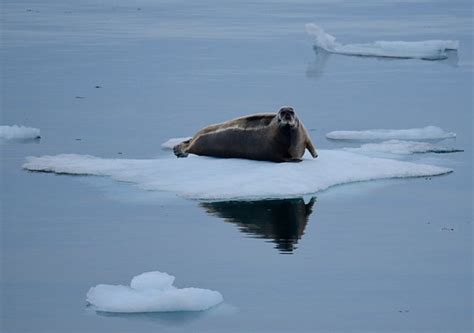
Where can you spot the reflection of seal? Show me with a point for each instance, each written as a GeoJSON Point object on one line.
{"type": "Point", "coordinates": [282, 221]}
{"type": "Point", "coordinates": [279, 137]}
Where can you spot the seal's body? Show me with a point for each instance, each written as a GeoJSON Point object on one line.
{"type": "Point", "coordinates": [276, 137]}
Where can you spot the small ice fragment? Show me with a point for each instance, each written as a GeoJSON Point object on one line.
{"type": "Point", "coordinates": [151, 292]}
{"type": "Point", "coordinates": [428, 49]}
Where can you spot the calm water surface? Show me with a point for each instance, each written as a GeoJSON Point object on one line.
{"type": "Point", "coordinates": [117, 78]}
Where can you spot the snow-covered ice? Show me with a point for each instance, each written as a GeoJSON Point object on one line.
{"type": "Point", "coordinates": [151, 292]}
{"type": "Point", "coordinates": [16, 132]}
{"type": "Point", "coordinates": [425, 133]}
{"type": "Point", "coordinates": [208, 178]}
{"type": "Point", "coordinates": [402, 147]}
{"type": "Point", "coordinates": [429, 49]}
{"type": "Point", "coordinates": [173, 142]}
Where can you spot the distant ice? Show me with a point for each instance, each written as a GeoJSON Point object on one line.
{"type": "Point", "coordinates": [208, 178]}
{"type": "Point", "coordinates": [151, 292]}
{"type": "Point", "coordinates": [402, 147]}
{"type": "Point", "coordinates": [173, 142]}
{"type": "Point", "coordinates": [429, 49]}
{"type": "Point", "coordinates": [425, 133]}
{"type": "Point", "coordinates": [16, 132]}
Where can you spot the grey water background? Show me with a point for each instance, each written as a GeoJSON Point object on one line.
{"type": "Point", "coordinates": [380, 256]}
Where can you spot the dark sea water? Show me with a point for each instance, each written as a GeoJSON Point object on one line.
{"type": "Point", "coordinates": [118, 78]}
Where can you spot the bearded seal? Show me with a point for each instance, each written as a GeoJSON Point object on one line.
{"type": "Point", "coordinates": [275, 137]}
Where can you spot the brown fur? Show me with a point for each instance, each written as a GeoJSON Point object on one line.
{"type": "Point", "coordinates": [265, 136]}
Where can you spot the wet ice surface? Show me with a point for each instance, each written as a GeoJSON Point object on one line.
{"type": "Point", "coordinates": [380, 256]}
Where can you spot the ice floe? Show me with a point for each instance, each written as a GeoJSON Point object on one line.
{"type": "Point", "coordinates": [425, 133]}
{"type": "Point", "coordinates": [173, 142]}
{"type": "Point", "coordinates": [208, 178]}
{"type": "Point", "coordinates": [16, 132]}
{"type": "Point", "coordinates": [151, 292]}
{"type": "Point", "coordinates": [429, 49]}
{"type": "Point", "coordinates": [402, 147]}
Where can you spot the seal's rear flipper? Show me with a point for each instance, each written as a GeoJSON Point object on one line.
{"type": "Point", "coordinates": [179, 151]}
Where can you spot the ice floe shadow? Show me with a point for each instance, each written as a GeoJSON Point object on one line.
{"type": "Point", "coordinates": [280, 221]}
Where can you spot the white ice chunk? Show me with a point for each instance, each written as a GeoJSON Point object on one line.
{"type": "Point", "coordinates": [425, 133]}
{"type": "Point", "coordinates": [429, 49]}
{"type": "Point", "coordinates": [151, 292]}
{"type": "Point", "coordinates": [173, 142]}
{"type": "Point", "coordinates": [402, 147]}
{"type": "Point", "coordinates": [16, 132]}
{"type": "Point", "coordinates": [321, 38]}
{"type": "Point", "coordinates": [208, 178]}
{"type": "Point", "coordinates": [152, 280]}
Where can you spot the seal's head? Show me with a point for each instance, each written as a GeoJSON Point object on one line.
{"type": "Point", "coordinates": [287, 117]}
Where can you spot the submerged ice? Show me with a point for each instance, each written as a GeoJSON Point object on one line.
{"type": "Point", "coordinates": [429, 49]}
{"type": "Point", "coordinates": [16, 132]}
{"type": "Point", "coordinates": [425, 133]}
{"type": "Point", "coordinates": [151, 292]}
{"type": "Point", "coordinates": [208, 178]}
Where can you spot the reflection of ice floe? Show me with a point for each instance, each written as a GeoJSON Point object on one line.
{"type": "Point", "coordinates": [210, 178]}
{"type": "Point", "coordinates": [172, 319]}
{"type": "Point", "coordinates": [282, 221]}
{"type": "Point", "coordinates": [317, 66]}
{"type": "Point", "coordinates": [402, 147]}
{"type": "Point", "coordinates": [429, 50]}
{"type": "Point", "coordinates": [425, 133]}
{"type": "Point", "coordinates": [151, 292]}
{"type": "Point", "coordinates": [19, 133]}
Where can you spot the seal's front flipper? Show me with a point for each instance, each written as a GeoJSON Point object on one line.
{"type": "Point", "coordinates": [308, 143]}
{"type": "Point", "coordinates": [310, 147]}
